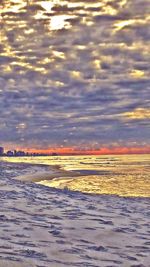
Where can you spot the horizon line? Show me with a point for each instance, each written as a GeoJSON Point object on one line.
{"type": "Point", "coordinates": [83, 151]}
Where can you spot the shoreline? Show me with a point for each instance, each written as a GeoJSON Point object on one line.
{"type": "Point", "coordinates": [79, 178]}
{"type": "Point", "coordinates": [46, 176]}
{"type": "Point", "coordinates": [43, 226]}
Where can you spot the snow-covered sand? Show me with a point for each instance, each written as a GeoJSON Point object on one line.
{"type": "Point", "coordinates": [45, 227]}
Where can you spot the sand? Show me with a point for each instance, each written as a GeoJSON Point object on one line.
{"type": "Point", "coordinates": [45, 227]}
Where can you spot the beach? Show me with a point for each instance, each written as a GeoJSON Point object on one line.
{"type": "Point", "coordinates": [42, 226]}
{"type": "Point", "coordinates": [74, 133]}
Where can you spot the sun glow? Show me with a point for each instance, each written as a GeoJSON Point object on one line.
{"type": "Point", "coordinates": [137, 74]}
{"type": "Point", "coordinates": [59, 22]}
{"type": "Point", "coordinates": [47, 5]}
{"type": "Point", "coordinates": [137, 114]}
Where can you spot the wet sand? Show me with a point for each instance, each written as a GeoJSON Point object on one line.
{"type": "Point", "coordinates": [53, 172]}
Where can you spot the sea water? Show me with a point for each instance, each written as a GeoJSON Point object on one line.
{"type": "Point", "coordinates": [123, 175]}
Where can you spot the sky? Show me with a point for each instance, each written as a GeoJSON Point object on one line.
{"type": "Point", "coordinates": [75, 76]}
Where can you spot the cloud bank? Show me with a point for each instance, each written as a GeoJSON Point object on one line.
{"type": "Point", "coordinates": [74, 73]}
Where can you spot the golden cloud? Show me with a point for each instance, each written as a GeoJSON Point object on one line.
{"type": "Point", "coordinates": [137, 114]}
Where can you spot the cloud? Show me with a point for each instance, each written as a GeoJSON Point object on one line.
{"type": "Point", "coordinates": [137, 114]}
{"type": "Point", "coordinates": [87, 83]}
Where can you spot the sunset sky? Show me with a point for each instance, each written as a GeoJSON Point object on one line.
{"type": "Point", "coordinates": [75, 75]}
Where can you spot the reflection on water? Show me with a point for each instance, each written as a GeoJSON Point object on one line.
{"type": "Point", "coordinates": [119, 175]}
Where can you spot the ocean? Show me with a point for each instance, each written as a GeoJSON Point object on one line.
{"type": "Point", "coordinates": [122, 175]}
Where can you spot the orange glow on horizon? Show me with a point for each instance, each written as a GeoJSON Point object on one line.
{"type": "Point", "coordinates": [101, 151]}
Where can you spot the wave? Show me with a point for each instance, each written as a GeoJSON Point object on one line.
{"type": "Point", "coordinates": [129, 176]}
{"type": "Point", "coordinates": [53, 173]}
